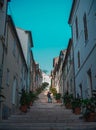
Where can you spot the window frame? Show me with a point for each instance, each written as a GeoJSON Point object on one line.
{"type": "Point", "coordinates": [7, 77]}
{"type": "Point", "coordinates": [76, 24]}
{"type": "Point", "coordinates": [85, 27]}
{"type": "Point", "coordinates": [78, 59]}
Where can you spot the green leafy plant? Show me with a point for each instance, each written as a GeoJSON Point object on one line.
{"type": "Point", "coordinates": [33, 96]}
{"type": "Point", "coordinates": [27, 97]}
{"type": "Point", "coordinates": [23, 101]}
{"type": "Point", "coordinates": [76, 102]}
{"type": "Point", "coordinates": [89, 106]}
{"type": "Point", "coordinates": [23, 98]}
{"type": "Point", "coordinates": [53, 90]}
{"type": "Point", "coordinates": [58, 96]}
{"type": "Point", "coordinates": [67, 98]}
{"type": "Point", "coordinates": [45, 84]}
{"type": "Point", "coordinates": [41, 88]}
{"type": "Point", "coordinates": [76, 105]}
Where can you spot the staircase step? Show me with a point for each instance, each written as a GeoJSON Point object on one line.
{"type": "Point", "coordinates": [44, 116]}
{"type": "Point", "coordinates": [47, 126]}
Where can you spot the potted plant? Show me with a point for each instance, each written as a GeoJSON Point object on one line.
{"type": "Point", "coordinates": [33, 97]}
{"type": "Point", "coordinates": [89, 106]}
{"type": "Point", "coordinates": [23, 101]}
{"type": "Point", "coordinates": [28, 99]}
{"type": "Point", "coordinates": [76, 105]}
{"type": "Point", "coordinates": [53, 90]}
{"type": "Point", "coordinates": [58, 97]}
{"type": "Point", "coordinates": [67, 100]}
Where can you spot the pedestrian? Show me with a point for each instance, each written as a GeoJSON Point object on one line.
{"type": "Point", "coordinates": [49, 97]}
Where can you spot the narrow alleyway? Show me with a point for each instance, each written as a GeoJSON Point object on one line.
{"type": "Point", "coordinates": [46, 116]}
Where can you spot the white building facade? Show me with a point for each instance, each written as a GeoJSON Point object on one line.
{"type": "Point", "coordinates": [59, 70]}
{"type": "Point", "coordinates": [14, 70]}
{"type": "Point", "coordinates": [3, 16]}
{"type": "Point", "coordinates": [55, 73]}
{"type": "Point", "coordinates": [46, 78]}
{"type": "Point", "coordinates": [3, 12]}
{"type": "Point", "coordinates": [68, 71]}
{"type": "Point", "coordinates": [83, 24]}
{"type": "Point", "coordinates": [26, 43]}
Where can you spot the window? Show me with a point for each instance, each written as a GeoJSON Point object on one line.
{"type": "Point", "coordinates": [85, 27]}
{"type": "Point", "coordinates": [14, 91]}
{"type": "Point", "coordinates": [67, 86]}
{"type": "Point", "coordinates": [25, 75]}
{"type": "Point", "coordinates": [1, 3]}
{"type": "Point", "coordinates": [7, 77]}
{"type": "Point", "coordinates": [14, 48]}
{"type": "Point", "coordinates": [70, 59]}
{"type": "Point", "coordinates": [18, 57]}
{"type": "Point", "coordinates": [81, 92]}
{"type": "Point", "coordinates": [71, 90]}
{"type": "Point", "coordinates": [76, 23]}
{"type": "Point", "coordinates": [78, 59]}
{"type": "Point", "coordinates": [89, 82]}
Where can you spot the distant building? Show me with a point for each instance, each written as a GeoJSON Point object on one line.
{"type": "Point", "coordinates": [38, 76]}
{"type": "Point", "coordinates": [52, 78]}
{"type": "Point", "coordinates": [46, 78]}
{"type": "Point", "coordinates": [54, 73]}
{"type": "Point", "coordinates": [59, 70]}
{"type": "Point", "coordinates": [83, 24]}
{"type": "Point", "coordinates": [32, 74]}
{"type": "Point", "coordinates": [27, 43]}
{"type": "Point", "coordinates": [68, 71]}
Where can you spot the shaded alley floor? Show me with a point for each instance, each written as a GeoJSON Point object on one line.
{"type": "Point", "coordinates": [46, 116]}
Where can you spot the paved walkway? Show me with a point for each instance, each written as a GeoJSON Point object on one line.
{"type": "Point", "coordinates": [46, 116]}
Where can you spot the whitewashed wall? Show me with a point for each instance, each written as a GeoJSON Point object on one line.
{"type": "Point", "coordinates": [87, 48]}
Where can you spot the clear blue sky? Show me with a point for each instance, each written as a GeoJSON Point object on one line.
{"type": "Point", "coordinates": [48, 21]}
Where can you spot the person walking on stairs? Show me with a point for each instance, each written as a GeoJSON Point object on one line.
{"type": "Point", "coordinates": [49, 97]}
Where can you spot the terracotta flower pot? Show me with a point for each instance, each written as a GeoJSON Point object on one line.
{"type": "Point", "coordinates": [23, 108]}
{"type": "Point", "coordinates": [68, 106]}
{"type": "Point", "coordinates": [31, 103]}
{"type": "Point", "coordinates": [58, 101]}
{"type": "Point", "coordinates": [77, 110]}
{"type": "Point", "coordinates": [91, 117]}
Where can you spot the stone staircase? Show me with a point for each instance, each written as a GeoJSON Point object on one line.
{"type": "Point", "coordinates": [46, 116]}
